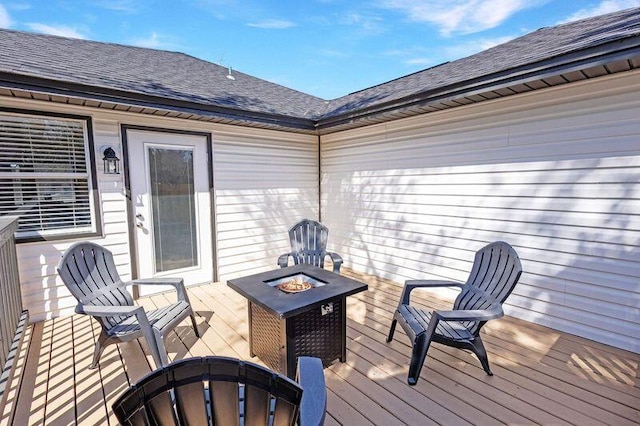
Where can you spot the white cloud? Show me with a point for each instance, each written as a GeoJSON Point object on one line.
{"type": "Point", "coordinates": [605, 6]}
{"type": "Point", "coordinates": [272, 24]}
{"type": "Point", "coordinates": [424, 57]}
{"type": "Point", "coordinates": [367, 24]}
{"type": "Point", "coordinates": [154, 41]}
{"type": "Point", "coordinates": [221, 9]}
{"type": "Point", "coordinates": [412, 55]}
{"type": "Point", "coordinates": [5, 20]}
{"type": "Point", "coordinates": [421, 62]}
{"type": "Point", "coordinates": [60, 30]}
{"type": "Point", "coordinates": [474, 46]}
{"type": "Point", "coordinates": [461, 16]}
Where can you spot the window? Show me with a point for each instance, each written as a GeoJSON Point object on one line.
{"type": "Point", "coordinates": [45, 175]}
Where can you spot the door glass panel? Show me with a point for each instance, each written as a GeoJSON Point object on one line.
{"type": "Point", "coordinates": [173, 208]}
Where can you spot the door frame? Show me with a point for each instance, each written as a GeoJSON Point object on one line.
{"type": "Point", "coordinates": [129, 202]}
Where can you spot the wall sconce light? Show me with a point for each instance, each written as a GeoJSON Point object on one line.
{"type": "Point", "coordinates": [111, 162]}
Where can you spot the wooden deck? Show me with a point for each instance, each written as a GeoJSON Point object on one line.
{"type": "Point", "coordinates": [541, 376]}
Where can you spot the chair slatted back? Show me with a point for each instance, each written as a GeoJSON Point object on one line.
{"type": "Point", "coordinates": [211, 390]}
{"type": "Point", "coordinates": [495, 272]}
{"type": "Point", "coordinates": [309, 242]}
{"type": "Point", "coordinates": [89, 272]}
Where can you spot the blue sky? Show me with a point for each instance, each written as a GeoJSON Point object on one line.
{"type": "Point", "coordinates": [327, 48]}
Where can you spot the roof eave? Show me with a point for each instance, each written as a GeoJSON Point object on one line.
{"type": "Point", "coordinates": [27, 83]}
{"type": "Point", "coordinates": [574, 61]}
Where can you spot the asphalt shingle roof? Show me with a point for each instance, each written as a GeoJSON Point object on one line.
{"type": "Point", "coordinates": [180, 77]}
{"type": "Point", "coordinates": [147, 71]}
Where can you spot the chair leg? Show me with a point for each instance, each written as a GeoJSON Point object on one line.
{"type": "Point", "coordinates": [418, 356]}
{"type": "Point", "coordinates": [159, 350]}
{"type": "Point", "coordinates": [97, 352]}
{"type": "Point", "coordinates": [195, 325]}
{"type": "Point", "coordinates": [478, 348]}
{"type": "Point", "coordinates": [392, 330]}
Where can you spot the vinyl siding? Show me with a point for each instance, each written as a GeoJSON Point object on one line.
{"type": "Point", "coordinates": [265, 181]}
{"type": "Point", "coordinates": [555, 173]}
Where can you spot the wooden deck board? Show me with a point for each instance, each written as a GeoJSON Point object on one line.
{"type": "Point", "coordinates": [522, 386]}
{"type": "Point", "coordinates": [529, 337]}
{"type": "Point", "coordinates": [60, 406]}
{"type": "Point", "coordinates": [437, 382]}
{"type": "Point", "coordinates": [90, 402]}
{"type": "Point", "coordinates": [13, 388]}
{"type": "Point", "coordinates": [509, 386]}
{"type": "Point", "coordinates": [542, 376]}
{"type": "Point", "coordinates": [40, 377]}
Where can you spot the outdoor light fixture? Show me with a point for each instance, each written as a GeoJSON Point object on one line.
{"type": "Point", "coordinates": [111, 162]}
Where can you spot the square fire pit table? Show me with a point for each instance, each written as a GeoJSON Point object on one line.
{"type": "Point", "coordinates": [297, 311]}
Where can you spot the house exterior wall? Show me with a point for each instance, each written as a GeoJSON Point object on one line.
{"type": "Point", "coordinates": [264, 181]}
{"type": "Point", "coordinates": [556, 173]}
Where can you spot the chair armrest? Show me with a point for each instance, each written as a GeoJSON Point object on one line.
{"type": "Point", "coordinates": [314, 392]}
{"type": "Point", "coordinates": [141, 317]}
{"type": "Point", "coordinates": [283, 260]}
{"type": "Point", "coordinates": [470, 315]}
{"type": "Point", "coordinates": [107, 311]}
{"type": "Point", "coordinates": [411, 285]}
{"type": "Point", "coordinates": [158, 281]}
{"type": "Point", "coordinates": [336, 259]}
{"type": "Point", "coordinates": [177, 283]}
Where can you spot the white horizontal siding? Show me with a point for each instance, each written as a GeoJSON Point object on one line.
{"type": "Point", "coordinates": [556, 173]}
{"type": "Point", "coordinates": [265, 181]}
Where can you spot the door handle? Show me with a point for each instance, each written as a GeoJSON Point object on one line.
{"type": "Point", "coordinates": [139, 216]}
{"type": "Point", "coordinates": [139, 225]}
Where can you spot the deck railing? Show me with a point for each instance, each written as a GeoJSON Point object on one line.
{"type": "Point", "coordinates": [13, 318]}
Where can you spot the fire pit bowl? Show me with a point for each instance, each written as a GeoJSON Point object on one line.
{"type": "Point", "coordinates": [295, 283]}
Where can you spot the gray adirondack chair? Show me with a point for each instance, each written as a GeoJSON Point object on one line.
{"type": "Point", "coordinates": [495, 272]}
{"type": "Point", "coordinates": [225, 391]}
{"type": "Point", "coordinates": [89, 272]}
{"type": "Point", "coordinates": [308, 240]}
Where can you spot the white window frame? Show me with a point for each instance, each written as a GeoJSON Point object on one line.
{"type": "Point", "coordinates": [74, 185]}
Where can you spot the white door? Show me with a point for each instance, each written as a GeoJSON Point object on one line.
{"type": "Point", "coordinates": [169, 179]}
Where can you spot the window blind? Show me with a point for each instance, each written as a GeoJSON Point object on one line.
{"type": "Point", "coordinates": [44, 175]}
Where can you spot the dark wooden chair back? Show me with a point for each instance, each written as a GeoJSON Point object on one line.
{"type": "Point", "coordinates": [211, 390]}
